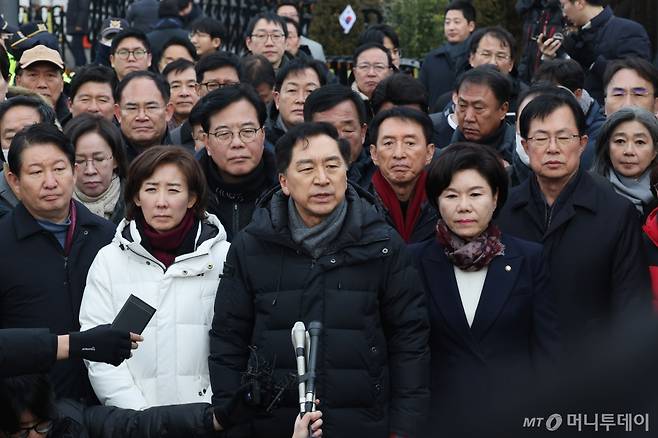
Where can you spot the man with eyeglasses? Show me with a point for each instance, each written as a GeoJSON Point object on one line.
{"type": "Point", "coordinates": [143, 111]}
{"type": "Point", "coordinates": [207, 35]}
{"type": "Point", "coordinates": [372, 63]}
{"type": "Point", "coordinates": [130, 51]}
{"type": "Point", "coordinates": [494, 46]}
{"type": "Point", "coordinates": [266, 35]}
{"type": "Point", "coordinates": [237, 165]}
{"type": "Point", "coordinates": [290, 10]}
{"type": "Point", "coordinates": [40, 70]}
{"type": "Point", "coordinates": [181, 77]}
{"type": "Point", "coordinates": [630, 81]}
{"type": "Point", "coordinates": [217, 70]}
{"type": "Point", "coordinates": [294, 82]}
{"type": "Point", "coordinates": [213, 71]}
{"type": "Point", "coordinates": [591, 235]}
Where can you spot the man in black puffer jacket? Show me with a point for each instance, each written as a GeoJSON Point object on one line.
{"type": "Point", "coordinates": [317, 250]}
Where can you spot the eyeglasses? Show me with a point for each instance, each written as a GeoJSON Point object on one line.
{"type": "Point", "coordinates": [562, 140]}
{"type": "Point", "coordinates": [95, 161]}
{"type": "Point", "coordinates": [247, 135]}
{"type": "Point", "coordinates": [199, 34]}
{"type": "Point", "coordinates": [125, 53]}
{"type": "Point", "coordinates": [214, 85]}
{"type": "Point", "coordinates": [40, 428]}
{"type": "Point", "coordinates": [635, 92]}
{"type": "Point", "coordinates": [378, 68]}
{"type": "Point", "coordinates": [277, 37]}
{"type": "Point", "coordinates": [498, 56]}
{"type": "Point", "coordinates": [149, 110]}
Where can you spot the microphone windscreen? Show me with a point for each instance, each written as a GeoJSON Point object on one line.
{"type": "Point", "coordinates": [299, 335]}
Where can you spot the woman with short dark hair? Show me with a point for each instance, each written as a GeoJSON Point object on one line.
{"type": "Point", "coordinates": [626, 153]}
{"type": "Point", "coordinates": [100, 163]}
{"type": "Point", "coordinates": [491, 311]}
{"type": "Point", "coordinates": [169, 253]}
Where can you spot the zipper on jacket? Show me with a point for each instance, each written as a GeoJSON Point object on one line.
{"type": "Point", "coordinates": [236, 219]}
{"type": "Point", "coordinates": [157, 263]}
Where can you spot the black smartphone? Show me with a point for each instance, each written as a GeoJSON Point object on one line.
{"type": "Point", "coordinates": [134, 316]}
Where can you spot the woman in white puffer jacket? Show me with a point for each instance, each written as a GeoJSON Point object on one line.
{"type": "Point", "coordinates": [170, 253]}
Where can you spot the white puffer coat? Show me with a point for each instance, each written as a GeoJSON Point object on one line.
{"type": "Point", "coordinates": [171, 364]}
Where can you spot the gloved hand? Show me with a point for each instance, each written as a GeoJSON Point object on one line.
{"type": "Point", "coordinates": [101, 344]}
{"type": "Point", "coordinates": [244, 406]}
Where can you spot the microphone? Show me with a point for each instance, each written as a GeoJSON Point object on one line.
{"type": "Point", "coordinates": [314, 330]}
{"type": "Point", "coordinates": [298, 336]}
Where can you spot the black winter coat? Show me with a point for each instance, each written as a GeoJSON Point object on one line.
{"type": "Point", "coordinates": [539, 16]}
{"type": "Point", "coordinates": [132, 151]}
{"type": "Point", "coordinates": [373, 361]}
{"type": "Point", "coordinates": [362, 169]}
{"type": "Point", "coordinates": [608, 38]}
{"type": "Point", "coordinates": [503, 140]}
{"type": "Point", "coordinates": [40, 286]}
{"type": "Point", "coordinates": [78, 421]}
{"type": "Point", "coordinates": [593, 246]}
{"type": "Point", "coordinates": [234, 204]}
{"type": "Point", "coordinates": [182, 136]}
{"type": "Point", "coordinates": [26, 351]}
{"type": "Point", "coordinates": [441, 68]}
{"type": "Point", "coordinates": [77, 15]}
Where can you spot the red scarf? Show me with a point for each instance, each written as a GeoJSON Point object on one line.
{"type": "Point", "coordinates": [165, 244]}
{"type": "Point", "coordinates": [73, 216]}
{"type": "Point", "coordinates": [403, 225]}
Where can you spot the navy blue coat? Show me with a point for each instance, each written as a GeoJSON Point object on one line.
{"type": "Point", "coordinates": [608, 38]}
{"type": "Point", "coordinates": [593, 247]}
{"type": "Point", "coordinates": [441, 67]}
{"type": "Point", "coordinates": [41, 286]}
{"type": "Point", "coordinates": [514, 331]}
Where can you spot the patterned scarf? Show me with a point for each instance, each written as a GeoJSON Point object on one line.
{"type": "Point", "coordinates": [470, 255]}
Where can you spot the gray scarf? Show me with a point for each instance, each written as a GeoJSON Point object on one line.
{"type": "Point", "coordinates": [317, 239]}
{"type": "Point", "coordinates": [102, 205]}
{"type": "Point", "coordinates": [637, 191]}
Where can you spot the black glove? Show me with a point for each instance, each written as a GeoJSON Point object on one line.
{"type": "Point", "coordinates": [101, 344]}
{"type": "Point", "coordinates": [243, 406]}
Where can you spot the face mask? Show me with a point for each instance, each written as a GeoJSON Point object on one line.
{"type": "Point", "coordinates": [521, 152]}
{"type": "Point", "coordinates": [5, 153]}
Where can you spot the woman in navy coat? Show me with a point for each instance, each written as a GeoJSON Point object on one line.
{"type": "Point", "coordinates": [493, 320]}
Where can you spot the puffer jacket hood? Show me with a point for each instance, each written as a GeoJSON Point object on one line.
{"type": "Point", "coordinates": [209, 231]}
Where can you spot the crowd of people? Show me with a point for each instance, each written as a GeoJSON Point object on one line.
{"type": "Point", "coordinates": [458, 234]}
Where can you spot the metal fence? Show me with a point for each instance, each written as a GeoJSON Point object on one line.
{"type": "Point", "coordinates": [233, 14]}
